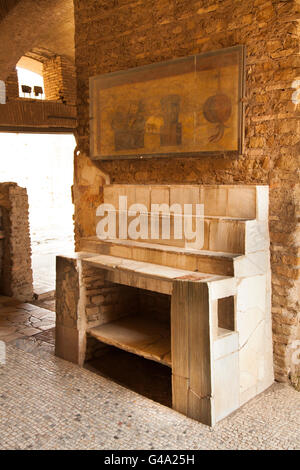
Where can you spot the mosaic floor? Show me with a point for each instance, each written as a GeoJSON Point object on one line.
{"type": "Point", "coordinates": [48, 403]}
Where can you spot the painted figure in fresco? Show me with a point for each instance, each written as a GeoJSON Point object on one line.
{"type": "Point", "coordinates": [129, 127]}
{"type": "Point", "coordinates": [217, 109]}
{"type": "Point", "coordinates": [171, 131]}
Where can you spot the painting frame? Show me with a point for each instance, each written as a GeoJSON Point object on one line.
{"type": "Point", "coordinates": [175, 67]}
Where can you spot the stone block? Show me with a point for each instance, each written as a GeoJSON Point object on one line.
{"type": "Point", "coordinates": [226, 386]}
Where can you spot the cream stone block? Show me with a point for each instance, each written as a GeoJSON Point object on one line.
{"type": "Point", "coordinates": [226, 385]}
{"type": "Point", "coordinates": [129, 265]}
{"type": "Point", "coordinates": [104, 261]}
{"type": "Point", "coordinates": [257, 236]}
{"type": "Point", "coordinates": [111, 194]}
{"type": "Point", "coordinates": [184, 195]}
{"type": "Point", "coordinates": [213, 312]}
{"type": "Point", "coordinates": [268, 377]}
{"type": "Point", "coordinates": [120, 251]}
{"type": "Point", "coordinates": [246, 323]}
{"type": "Point", "coordinates": [266, 371]}
{"type": "Point", "coordinates": [227, 236]}
{"type": "Point", "coordinates": [203, 240]}
{"type": "Point", "coordinates": [142, 195]}
{"type": "Point", "coordinates": [252, 264]}
{"type": "Point", "coordinates": [136, 194]}
{"type": "Point", "coordinates": [215, 200]}
{"type": "Point", "coordinates": [160, 195]}
{"type": "Point", "coordinates": [262, 202]}
{"type": "Point", "coordinates": [225, 345]}
{"type": "Point", "coordinates": [249, 359]}
{"type": "Point", "coordinates": [180, 261]}
{"type": "Point", "coordinates": [200, 226]}
{"type": "Point", "coordinates": [242, 202]}
{"type": "Point", "coordinates": [160, 271]}
{"type": "Point", "coordinates": [251, 293]}
{"type": "Point", "coordinates": [222, 288]}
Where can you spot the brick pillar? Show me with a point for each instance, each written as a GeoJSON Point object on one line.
{"type": "Point", "coordinates": [12, 86]}
{"type": "Point", "coordinates": [16, 273]}
{"type": "Point", "coordinates": [59, 80]}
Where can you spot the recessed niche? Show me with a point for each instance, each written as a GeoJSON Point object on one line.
{"type": "Point", "coordinates": [143, 327]}
{"type": "Point", "coordinates": [226, 313]}
{"type": "Point", "coordinates": [135, 349]}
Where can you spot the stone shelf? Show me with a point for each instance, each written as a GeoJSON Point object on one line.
{"type": "Point", "coordinates": [138, 335]}
{"type": "Point", "coordinates": [204, 261]}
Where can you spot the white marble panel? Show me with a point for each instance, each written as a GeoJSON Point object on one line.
{"type": "Point", "coordinates": [252, 264]}
{"type": "Point", "coordinates": [257, 236]}
{"type": "Point", "coordinates": [225, 345]}
{"type": "Point", "coordinates": [251, 293]}
{"type": "Point", "coordinates": [226, 386]}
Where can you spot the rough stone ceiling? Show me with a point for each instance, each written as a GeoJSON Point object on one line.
{"type": "Point", "coordinates": [35, 28]}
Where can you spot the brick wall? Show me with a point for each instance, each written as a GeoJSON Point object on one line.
{"type": "Point", "coordinates": [16, 273]}
{"type": "Point", "coordinates": [120, 34]}
{"type": "Point", "coordinates": [12, 86]}
{"type": "Point", "coordinates": [105, 302]}
{"type": "Point", "coordinates": [39, 114]}
{"type": "Point", "coordinates": [59, 80]}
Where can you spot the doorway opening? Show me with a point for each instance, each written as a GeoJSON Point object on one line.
{"type": "Point", "coordinates": [43, 164]}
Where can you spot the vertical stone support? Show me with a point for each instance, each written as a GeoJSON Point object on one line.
{"type": "Point", "coordinates": [16, 273]}
{"type": "Point", "coordinates": [85, 299]}
{"type": "Point", "coordinates": [191, 351]}
{"type": "Point", "coordinates": [70, 341]}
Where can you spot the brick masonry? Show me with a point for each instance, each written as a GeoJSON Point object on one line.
{"type": "Point", "coordinates": [59, 80]}
{"type": "Point", "coordinates": [37, 114]}
{"type": "Point", "coordinates": [12, 86]}
{"type": "Point", "coordinates": [120, 34]}
{"type": "Point", "coordinates": [85, 298]}
{"type": "Point", "coordinates": [16, 272]}
{"type": "Point", "coordinates": [57, 111]}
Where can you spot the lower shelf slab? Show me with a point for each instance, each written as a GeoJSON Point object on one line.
{"type": "Point", "coordinates": [139, 335]}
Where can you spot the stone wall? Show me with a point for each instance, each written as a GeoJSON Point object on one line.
{"type": "Point", "coordinates": [120, 34]}
{"type": "Point", "coordinates": [59, 80]}
{"type": "Point", "coordinates": [16, 273]}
